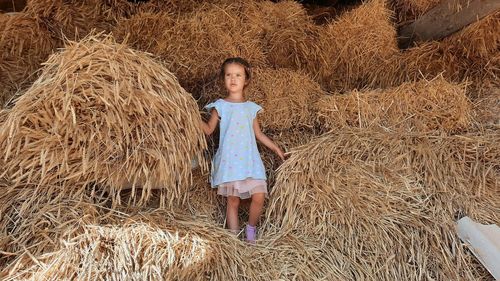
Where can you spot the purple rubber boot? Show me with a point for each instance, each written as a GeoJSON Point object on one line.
{"type": "Point", "coordinates": [250, 232]}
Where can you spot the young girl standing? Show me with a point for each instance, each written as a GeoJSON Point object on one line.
{"type": "Point", "coordinates": [237, 169]}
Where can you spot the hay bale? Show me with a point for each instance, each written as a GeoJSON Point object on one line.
{"type": "Point", "coordinates": [290, 37]}
{"type": "Point", "coordinates": [415, 106]}
{"type": "Point", "coordinates": [73, 19]}
{"type": "Point", "coordinates": [104, 114]}
{"type": "Point", "coordinates": [32, 225]}
{"type": "Point", "coordinates": [200, 41]}
{"type": "Point", "coordinates": [360, 49]}
{"type": "Point", "coordinates": [153, 244]}
{"type": "Point", "coordinates": [390, 196]}
{"type": "Point", "coordinates": [24, 45]}
{"type": "Point", "coordinates": [287, 97]}
{"type": "Point", "coordinates": [472, 54]}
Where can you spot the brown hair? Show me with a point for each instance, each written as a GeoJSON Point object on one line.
{"type": "Point", "coordinates": [237, 60]}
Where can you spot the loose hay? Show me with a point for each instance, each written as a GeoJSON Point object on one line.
{"type": "Point", "coordinates": [421, 106]}
{"type": "Point", "coordinates": [471, 54]}
{"type": "Point", "coordinates": [105, 114]}
{"type": "Point", "coordinates": [360, 49]}
{"type": "Point", "coordinates": [390, 200]}
{"type": "Point", "coordinates": [24, 45]}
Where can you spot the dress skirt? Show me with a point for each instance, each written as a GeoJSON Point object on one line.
{"type": "Point", "coordinates": [243, 189]}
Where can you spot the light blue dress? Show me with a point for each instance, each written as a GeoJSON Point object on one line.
{"type": "Point", "coordinates": [238, 157]}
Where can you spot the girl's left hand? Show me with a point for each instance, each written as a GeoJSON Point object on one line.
{"type": "Point", "coordinates": [280, 153]}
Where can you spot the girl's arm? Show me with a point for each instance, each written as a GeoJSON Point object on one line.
{"type": "Point", "coordinates": [209, 127]}
{"type": "Point", "coordinates": [260, 136]}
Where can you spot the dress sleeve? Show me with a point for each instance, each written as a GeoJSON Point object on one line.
{"type": "Point", "coordinates": [217, 105]}
{"type": "Point", "coordinates": [255, 109]}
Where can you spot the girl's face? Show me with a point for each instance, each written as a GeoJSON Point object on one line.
{"type": "Point", "coordinates": [234, 78]}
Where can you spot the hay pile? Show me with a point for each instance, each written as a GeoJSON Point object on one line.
{"type": "Point", "coordinates": [289, 36]}
{"type": "Point", "coordinates": [199, 42]}
{"type": "Point", "coordinates": [101, 113]}
{"type": "Point", "coordinates": [421, 106]}
{"type": "Point", "coordinates": [472, 54]}
{"type": "Point", "coordinates": [360, 49]}
{"type": "Point", "coordinates": [24, 45]}
{"type": "Point", "coordinates": [390, 200]}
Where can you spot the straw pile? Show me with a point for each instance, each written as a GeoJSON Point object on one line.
{"type": "Point", "coordinates": [200, 41]}
{"type": "Point", "coordinates": [24, 44]}
{"type": "Point", "coordinates": [420, 106]}
{"type": "Point", "coordinates": [154, 245]}
{"type": "Point", "coordinates": [71, 19]}
{"type": "Point", "coordinates": [360, 49]}
{"type": "Point", "coordinates": [289, 35]}
{"type": "Point", "coordinates": [103, 113]}
{"type": "Point", "coordinates": [390, 200]}
{"type": "Point", "coordinates": [471, 54]}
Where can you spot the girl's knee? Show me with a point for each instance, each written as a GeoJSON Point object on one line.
{"type": "Point", "coordinates": [258, 198]}
{"type": "Point", "coordinates": [233, 201]}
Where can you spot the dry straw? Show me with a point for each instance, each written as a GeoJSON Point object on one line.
{"type": "Point", "coordinates": [24, 45]}
{"type": "Point", "coordinates": [150, 245]}
{"type": "Point", "coordinates": [418, 106]}
{"type": "Point", "coordinates": [390, 200]}
{"type": "Point", "coordinates": [200, 41]}
{"type": "Point", "coordinates": [290, 38]}
{"type": "Point", "coordinates": [105, 114]}
{"type": "Point", "coordinates": [471, 54]}
{"type": "Point", "coordinates": [360, 49]}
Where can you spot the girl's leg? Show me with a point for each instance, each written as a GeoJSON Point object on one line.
{"type": "Point", "coordinates": [233, 203]}
{"type": "Point", "coordinates": [255, 211]}
{"type": "Point", "coordinates": [256, 207]}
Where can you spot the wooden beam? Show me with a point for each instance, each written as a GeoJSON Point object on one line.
{"type": "Point", "coordinates": [446, 18]}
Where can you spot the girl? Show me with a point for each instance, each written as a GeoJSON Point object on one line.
{"type": "Point", "coordinates": [237, 169]}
